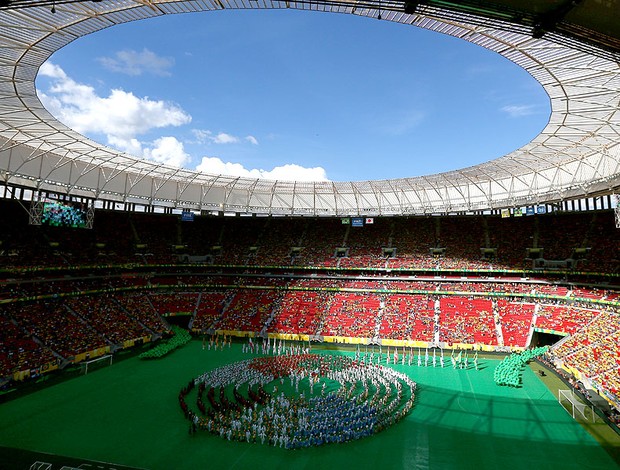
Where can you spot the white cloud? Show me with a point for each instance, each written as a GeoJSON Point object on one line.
{"type": "Point", "coordinates": [52, 70]}
{"type": "Point", "coordinates": [223, 138]}
{"type": "Point", "coordinates": [121, 116]}
{"type": "Point", "coordinates": [519, 110]}
{"type": "Point", "coordinates": [131, 145]}
{"type": "Point", "coordinates": [208, 137]}
{"type": "Point", "coordinates": [201, 136]}
{"type": "Point", "coordinates": [288, 172]}
{"type": "Point", "coordinates": [136, 63]}
{"type": "Point", "coordinates": [168, 150]}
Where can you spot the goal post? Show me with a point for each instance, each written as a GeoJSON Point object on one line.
{"type": "Point", "coordinates": [574, 404]}
{"type": "Point", "coordinates": [96, 363]}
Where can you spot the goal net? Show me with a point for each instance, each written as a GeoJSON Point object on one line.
{"type": "Point", "coordinates": [571, 403]}
{"type": "Point", "coordinates": [94, 364]}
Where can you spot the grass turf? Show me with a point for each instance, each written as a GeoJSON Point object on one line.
{"type": "Point", "coordinates": [128, 414]}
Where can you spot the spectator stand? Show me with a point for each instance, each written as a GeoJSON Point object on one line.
{"type": "Point", "coordinates": [58, 329]}
{"type": "Point", "coordinates": [562, 319]}
{"type": "Point", "coordinates": [21, 355]}
{"type": "Point", "coordinates": [109, 320]}
{"type": "Point", "coordinates": [592, 355]}
{"type": "Point", "coordinates": [516, 320]}
{"type": "Point", "coordinates": [138, 307]}
{"type": "Point", "coordinates": [466, 322]}
{"type": "Point", "coordinates": [210, 308]}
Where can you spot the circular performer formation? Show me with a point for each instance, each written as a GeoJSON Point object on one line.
{"type": "Point", "coordinates": [297, 400]}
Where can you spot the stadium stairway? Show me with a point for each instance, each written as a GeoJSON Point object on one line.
{"type": "Point", "coordinates": [498, 324]}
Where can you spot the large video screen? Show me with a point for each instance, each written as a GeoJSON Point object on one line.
{"type": "Point", "coordinates": [60, 214]}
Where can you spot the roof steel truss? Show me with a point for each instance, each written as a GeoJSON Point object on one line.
{"type": "Point", "coordinates": [576, 155]}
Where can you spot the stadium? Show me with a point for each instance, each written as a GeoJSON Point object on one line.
{"type": "Point", "coordinates": [157, 317]}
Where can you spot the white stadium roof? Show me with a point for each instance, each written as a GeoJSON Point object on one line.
{"type": "Point", "coordinates": [576, 155]}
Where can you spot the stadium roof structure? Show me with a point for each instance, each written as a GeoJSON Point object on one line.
{"type": "Point", "coordinates": [571, 47]}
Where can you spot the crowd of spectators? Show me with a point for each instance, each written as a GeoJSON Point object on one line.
{"type": "Point", "coordinates": [408, 317]}
{"type": "Point", "coordinates": [563, 318]}
{"type": "Point", "coordinates": [66, 327]}
{"type": "Point", "coordinates": [139, 308]}
{"type": "Point", "coordinates": [108, 318]}
{"type": "Point", "coordinates": [249, 310]}
{"type": "Point", "coordinates": [511, 237]}
{"type": "Point", "coordinates": [551, 289]}
{"type": "Point", "coordinates": [515, 319]}
{"type": "Point", "coordinates": [467, 321]}
{"type": "Point", "coordinates": [254, 241]}
{"type": "Point", "coordinates": [589, 293]}
{"type": "Point", "coordinates": [18, 350]}
{"type": "Point", "coordinates": [473, 286]}
{"type": "Point", "coordinates": [300, 312]}
{"type": "Point", "coordinates": [365, 245]}
{"type": "Point", "coordinates": [179, 302]}
{"type": "Point", "coordinates": [277, 239]}
{"type": "Point", "coordinates": [57, 328]}
{"type": "Point", "coordinates": [320, 243]}
{"type": "Point", "coordinates": [352, 315]}
{"type": "Point", "coordinates": [210, 307]}
{"type": "Point", "coordinates": [556, 240]}
{"type": "Point", "coordinates": [595, 351]}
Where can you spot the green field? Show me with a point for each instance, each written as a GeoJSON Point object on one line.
{"type": "Point", "coordinates": [128, 414]}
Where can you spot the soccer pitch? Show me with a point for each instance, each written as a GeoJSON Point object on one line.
{"type": "Point", "coordinates": [128, 414]}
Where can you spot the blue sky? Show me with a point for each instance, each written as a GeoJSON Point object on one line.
{"type": "Point", "coordinates": [293, 95]}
